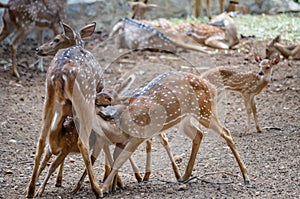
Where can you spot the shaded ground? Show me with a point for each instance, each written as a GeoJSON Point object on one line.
{"type": "Point", "coordinates": [272, 157]}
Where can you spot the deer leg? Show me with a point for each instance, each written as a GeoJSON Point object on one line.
{"type": "Point", "coordinates": [19, 37]}
{"type": "Point", "coordinates": [222, 5]}
{"type": "Point", "coordinates": [148, 161]}
{"type": "Point", "coordinates": [215, 43]}
{"type": "Point", "coordinates": [253, 106]}
{"type": "Point", "coordinates": [136, 169]}
{"type": "Point", "coordinates": [208, 8]}
{"type": "Point", "coordinates": [110, 161]}
{"type": "Point", "coordinates": [164, 141]}
{"type": "Point", "coordinates": [47, 120]}
{"type": "Point", "coordinates": [283, 50]}
{"type": "Point", "coordinates": [124, 155]}
{"type": "Point", "coordinates": [96, 151]}
{"type": "Point", "coordinates": [196, 11]}
{"type": "Point", "coordinates": [58, 161]}
{"type": "Point", "coordinates": [225, 133]}
{"type": "Point", "coordinates": [40, 38]}
{"type": "Point", "coordinates": [295, 53]}
{"type": "Point", "coordinates": [249, 108]}
{"type": "Point", "coordinates": [45, 160]}
{"type": "Point", "coordinates": [194, 133]}
{"type": "Point", "coordinates": [59, 175]}
{"type": "Point", "coordinates": [4, 32]}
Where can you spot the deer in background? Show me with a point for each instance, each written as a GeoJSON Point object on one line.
{"type": "Point", "coordinates": [198, 8]}
{"type": "Point", "coordinates": [139, 9]}
{"type": "Point", "coordinates": [211, 34]}
{"type": "Point", "coordinates": [73, 79]}
{"type": "Point", "coordinates": [169, 99]}
{"type": "Point", "coordinates": [21, 17]}
{"type": "Point", "coordinates": [249, 84]}
{"type": "Point", "coordinates": [287, 51]}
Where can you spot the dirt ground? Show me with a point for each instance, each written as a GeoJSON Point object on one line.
{"type": "Point", "coordinates": [272, 157]}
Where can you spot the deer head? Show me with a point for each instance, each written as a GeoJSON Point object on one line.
{"type": "Point", "coordinates": [66, 39]}
{"type": "Point", "coordinates": [266, 65]}
{"type": "Point", "coordinates": [270, 48]}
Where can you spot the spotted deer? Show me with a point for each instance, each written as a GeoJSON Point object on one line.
{"type": "Point", "coordinates": [169, 99]}
{"type": "Point", "coordinates": [138, 35]}
{"type": "Point", "coordinates": [73, 79]}
{"type": "Point", "coordinates": [219, 33]}
{"type": "Point", "coordinates": [68, 137]}
{"type": "Point", "coordinates": [248, 84]}
{"type": "Point", "coordinates": [139, 9]}
{"type": "Point", "coordinates": [287, 51]}
{"type": "Point", "coordinates": [20, 17]}
{"type": "Point", "coordinates": [198, 8]}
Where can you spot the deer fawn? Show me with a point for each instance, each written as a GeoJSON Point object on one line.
{"type": "Point", "coordinates": [198, 8]}
{"type": "Point", "coordinates": [249, 84]}
{"type": "Point", "coordinates": [288, 52]}
{"type": "Point", "coordinates": [73, 79]}
{"type": "Point", "coordinates": [20, 17]}
{"type": "Point", "coordinates": [169, 99]}
{"type": "Point", "coordinates": [139, 9]}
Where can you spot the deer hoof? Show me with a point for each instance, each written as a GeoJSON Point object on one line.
{"type": "Point", "coordinates": [246, 180]}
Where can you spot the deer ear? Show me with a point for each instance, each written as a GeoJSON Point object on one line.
{"type": "Point", "coordinates": [67, 31]}
{"type": "Point", "coordinates": [276, 39]}
{"type": "Point", "coordinates": [87, 30]}
{"type": "Point", "coordinates": [276, 59]}
{"type": "Point", "coordinates": [257, 58]}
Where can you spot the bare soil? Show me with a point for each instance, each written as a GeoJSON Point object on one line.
{"type": "Point", "coordinates": [272, 157]}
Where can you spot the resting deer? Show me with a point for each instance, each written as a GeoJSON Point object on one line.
{"type": "Point", "coordinates": [210, 34]}
{"type": "Point", "coordinates": [249, 84]}
{"type": "Point", "coordinates": [73, 79]}
{"type": "Point", "coordinates": [198, 8]}
{"type": "Point", "coordinates": [21, 17]}
{"type": "Point", "coordinates": [68, 137]}
{"type": "Point", "coordinates": [169, 99]}
{"type": "Point", "coordinates": [287, 51]}
{"type": "Point", "coordinates": [205, 34]}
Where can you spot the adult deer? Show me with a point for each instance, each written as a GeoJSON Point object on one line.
{"type": "Point", "coordinates": [73, 79]}
{"type": "Point", "coordinates": [21, 17]}
{"type": "Point", "coordinates": [139, 9]}
{"type": "Point", "coordinates": [198, 8]}
{"type": "Point", "coordinates": [248, 84]}
{"type": "Point", "coordinates": [287, 51]}
{"type": "Point", "coordinates": [169, 99]}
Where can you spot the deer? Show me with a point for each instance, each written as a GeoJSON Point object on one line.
{"type": "Point", "coordinates": [287, 51]}
{"type": "Point", "coordinates": [20, 17]}
{"type": "Point", "coordinates": [73, 79]}
{"type": "Point", "coordinates": [211, 34]}
{"type": "Point", "coordinates": [248, 84]}
{"type": "Point", "coordinates": [68, 136]}
{"type": "Point", "coordinates": [198, 8]}
{"type": "Point", "coordinates": [137, 35]}
{"type": "Point", "coordinates": [169, 99]}
{"type": "Point", "coordinates": [139, 9]}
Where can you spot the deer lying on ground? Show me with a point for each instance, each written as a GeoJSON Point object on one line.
{"type": "Point", "coordinates": [287, 51]}
{"type": "Point", "coordinates": [68, 136]}
{"type": "Point", "coordinates": [198, 8]}
{"type": "Point", "coordinates": [21, 17]}
{"type": "Point", "coordinates": [205, 34]}
{"type": "Point", "coordinates": [249, 84]}
{"type": "Point", "coordinates": [73, 79]}
{"type": "Point", "coordinates": [169, 99]}
{"type": "Point", "coordinates": [135, 34]}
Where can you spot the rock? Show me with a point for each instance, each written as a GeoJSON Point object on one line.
{"type": "Point", "coordinates": [182, 187]}
{"type": "Point", "coordinates": [170, 191]}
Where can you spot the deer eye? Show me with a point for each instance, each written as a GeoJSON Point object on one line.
{"type": "Point", "coordinates": [267, 49]}
{"type": "Point", "coordinates": [56, 40]}
{"type": "Point", "coordinates": [268, 67]}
